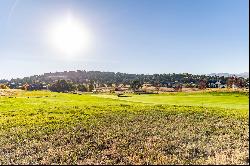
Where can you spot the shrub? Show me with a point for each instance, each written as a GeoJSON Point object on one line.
{"type": "Point", "coordinates": [3, 86]}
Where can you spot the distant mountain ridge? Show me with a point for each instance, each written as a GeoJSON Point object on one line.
{"type": "Point", "coordinates": [244, 74]}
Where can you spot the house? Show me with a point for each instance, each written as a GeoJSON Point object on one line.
{"type": "Point", "coordinates": [234, 86]}
{"type": "Point", "coordinates": [127, 86]}
{"type": "Point", "coordinates": [223, 86]}
{"type": "Point", "coordinates": [147, 85]}
{"type": "Point", "coordinates": [120, 86]}
{"type": "Point", "coordinates": [219, 85]}
{"type": "Point", "coordinates": [212, 85]}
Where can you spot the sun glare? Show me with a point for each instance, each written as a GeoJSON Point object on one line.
{"type": "Point", "coordinates": [69, 37]}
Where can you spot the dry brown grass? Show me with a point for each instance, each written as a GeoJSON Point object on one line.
{"type": "Point", "coordinates": [149, 138]}
{"type": "Point", "coordinates": [9, 92]}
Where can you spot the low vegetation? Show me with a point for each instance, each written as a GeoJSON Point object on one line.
{"type": "Point", "coordinates": [40, 127]}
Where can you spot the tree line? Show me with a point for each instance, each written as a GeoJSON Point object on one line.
{"type": "Point", "coordinates": [86, 81]}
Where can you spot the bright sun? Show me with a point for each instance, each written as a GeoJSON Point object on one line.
{"type": "Point", "coordinates": [70, 37]}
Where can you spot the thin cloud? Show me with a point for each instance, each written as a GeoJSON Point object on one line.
{"type": "Point", "coordinates": [12, 9]}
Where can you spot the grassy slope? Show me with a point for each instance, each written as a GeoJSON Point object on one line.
{"type": "Point", "coordinates": [59, 128]}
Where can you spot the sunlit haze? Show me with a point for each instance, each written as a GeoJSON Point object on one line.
{"type": "Point", "coordinates": [69, 37]}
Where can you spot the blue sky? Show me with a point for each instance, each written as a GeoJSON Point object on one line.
{"type": "Point", "coordinates": [132, 36]}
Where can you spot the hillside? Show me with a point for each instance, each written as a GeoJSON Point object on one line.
{"type": "Point", "coordinates": [109, 78]}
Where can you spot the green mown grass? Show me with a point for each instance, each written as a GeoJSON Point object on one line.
{"type": "Point", "coordinates": [57, 128]}
{"type": "Point", "coordinates": [236, 101]}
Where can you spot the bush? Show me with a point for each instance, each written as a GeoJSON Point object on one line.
{"type": "Point", "coordinates": [3, 86]}
{"type": "Point", "coordinates": [62, 86]}
{"type": "Point", "coordinates": [82, 88]}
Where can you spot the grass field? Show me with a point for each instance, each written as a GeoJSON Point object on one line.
{"type": "Point", "coordinates": [175, 128]}
{"type": "Point", "coordinates": [230, 100]}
